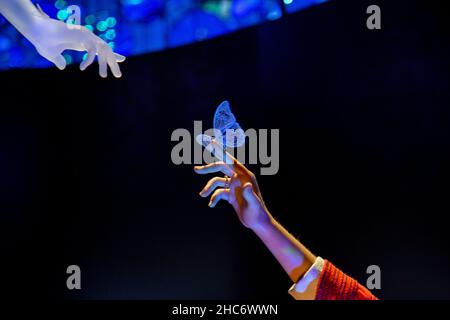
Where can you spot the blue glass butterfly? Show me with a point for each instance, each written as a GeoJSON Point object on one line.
{"type": "Point", "coordinates": [231, 133]}
{"type": "Point", "coordinates": [224, 120]}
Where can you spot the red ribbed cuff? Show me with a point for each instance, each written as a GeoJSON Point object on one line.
{"type": "Point", "coordinates": [333, 284]}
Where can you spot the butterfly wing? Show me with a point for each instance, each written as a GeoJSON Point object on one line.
{"type": "Point", "coordinates": [225, 120]}
{"type": "Point", "coordinates": [234, 136]}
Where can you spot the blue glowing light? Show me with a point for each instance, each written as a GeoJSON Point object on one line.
{"type": "Point", "coordinates": [196, 26]}
{"type": "Point", "coordinates": [273, 10]}
{"type": "Point", "coordinates": [5, 43]}
{"type": "Point", "coordinates": [16, 57]}
{"type": "Point", "coordinates": [132, 2]}
{"type": "Point", "coordinates": [139, 26]}
{"type": "Point", "coordinates": [102, 26]}
{"type": "Point", "coordinates": [60, 4]}
{"type": "Point", "coordinates": [295, 5]}
{"type": "Point", "coordinates": [244, 7]}
{"type": "Point", "coordinates": [137, 10]}
{"type": "Point", "coordinates": [68, 58]}
{"type": "Point", "coordinates": [110, 34]}
{"type": "Point", "coordinates": [62, 14]}
{"type": "Point", "coordinates": [111, 22]}
{"type": "Point", "coordinates": [90, 19]}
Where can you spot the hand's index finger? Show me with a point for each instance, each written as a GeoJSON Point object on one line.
{"type": "Point", "coordinates": [216, 149]}
{"type": "Point", "coordinates": [215, 167]}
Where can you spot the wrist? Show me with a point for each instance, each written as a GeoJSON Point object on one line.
{"type": "Point", "coordinates": [32, 29]}
{"type": "Point", "coordinates": [265, 225]}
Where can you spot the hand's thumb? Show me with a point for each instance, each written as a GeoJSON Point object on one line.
{"type": "Point", "coordinates": [58, 61]}
{"type": "Point", "coordinates": [250, 195]}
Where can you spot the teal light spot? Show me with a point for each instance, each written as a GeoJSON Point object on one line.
{"type": "Point", "coordinates": [132, 2]}
{"type": "Point", "coordinates": [112, 44]}
{"type": "Point", "coordinates": [288, 1]}
{"type": "Point", "coordinates": [102, 26]}
{"type": "Point", "coordinates": [84, 56]}
{"type": "Point", "coordinates": [111, 22]}
{"type": "Point", "coordinates": [90, 19]}
{"type": "Point", "coordinates": [62, 14]}
{"type": "Point", "coordinates": [88, 26]}
{"type": "Point", "coordinates": [68, 58]}
{"type": "Point", "coordinates": [110, 34]}
{"type": "Point", "coordinates": [60, 4]}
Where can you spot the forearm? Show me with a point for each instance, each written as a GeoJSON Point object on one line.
{"type": "Point", "coordinates": [293, 256]}
{"type": "Point", "coordinates": [22, 14]}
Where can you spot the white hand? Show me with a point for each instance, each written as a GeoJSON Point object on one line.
{"type": "Point", "coordinates": [51, 37]}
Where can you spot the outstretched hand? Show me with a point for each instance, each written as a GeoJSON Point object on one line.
{"type": "Point", "coordinates": [51, 37]}
{"type": "Point", "coordinates": [239, 188]}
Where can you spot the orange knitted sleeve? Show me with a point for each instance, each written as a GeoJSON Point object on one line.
{"type": "Point", "coordinates": [333, 284]}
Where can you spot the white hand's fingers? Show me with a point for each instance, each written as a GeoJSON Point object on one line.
{"type": "Point", "coordinates": [89, 59]}
{"type": "Point", "coordinates": [249, 194]}
{"type": "Point", "coordinates": [213, 184]}
{"type": "Point", "coordinates": [58, 61]}
{"type": "Point", "coordinates": [119, 57]}
{"type": "Point", "coordinates": [102, 65]}
{"type": "Point", "coordinates": [221, 194]}
{"type": "Point", "coordinates": [114, 66]}
{"type": "Point", "coordinates": [214, 167]}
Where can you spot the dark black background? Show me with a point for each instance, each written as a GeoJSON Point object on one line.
{"type": "Point", "coordinates": [86, 176]}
